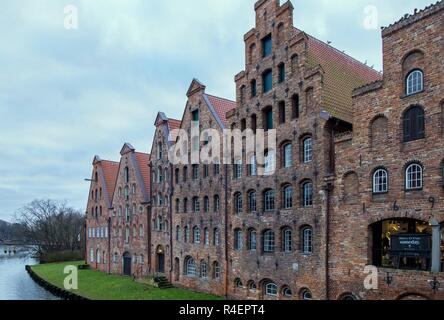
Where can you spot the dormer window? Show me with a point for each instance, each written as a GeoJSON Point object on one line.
{"type": "Point", "coordinates": [414, 82]}
{"type": "Point", "coordinates": [266, 46]}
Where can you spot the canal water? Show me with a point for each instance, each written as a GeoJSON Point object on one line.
{"type": "Point", "coordinates": [15, 283]}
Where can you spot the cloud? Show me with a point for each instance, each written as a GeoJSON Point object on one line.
{"type": "Point", "coordinates": [66, 95]}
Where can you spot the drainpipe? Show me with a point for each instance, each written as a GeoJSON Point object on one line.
{"type": "Point", "coordinates": [328, 188]}
{"type": "Point", "coordinates": [226, 230]}
{"type": "Point", "coordinates": [170, 214]}
{"type": "Point", "coordinates": [148, 222]}
{"type": "Point", "coordinates": [109, 245]}
{"type": "Point", "coordinates": [436, 246]}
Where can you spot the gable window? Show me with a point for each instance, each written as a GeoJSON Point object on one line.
{"type": "Point", "coordinates": [267, 81]}
{"type": "Point", "coordinates": [413, 122]}
{"type": "Point", "coordinates": [287, 197]}
{"type": "Point", "coordinates": [252, 240]}
{"type": "Point", "coordinates": [238, 240]}
{"type": "Point", "coordinates": [195, 116]}
{"type": "Point", "coordinates": [308, 149]}
{"type": "Point", "coordinates": [253, 88]}
{"type": "Point", "coordinates": [242, 94]}
{"type": "Point", "coordinates": [127, 175]}
{"type": "Point", "coordinates": [269, 200]}
{"type": "Point", "coordinates": [159, 151]}
{"type": "Point", "coordinates": [414, 82]}
{"type": "Point", "coordinates": [268, 241]}
{"type": "Point", "coordinates": [266, 46]}
{"type": "Point", "coordinates": [281, 72]}
{"type": "Point", "coordinates": [414, 177]}
{"type": "Point", "coordinates": [380, 181]}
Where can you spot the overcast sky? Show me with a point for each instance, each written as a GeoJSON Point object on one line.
{"type": "Point", "coordinates": [67, 95]}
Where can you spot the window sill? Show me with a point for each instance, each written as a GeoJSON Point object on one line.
{"type": "Point", "coordinates": [406, 96]}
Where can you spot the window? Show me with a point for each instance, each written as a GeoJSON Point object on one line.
{"type": "Point", "coordinates": [177, 233]}
{"type": "Point", "coordinates": [238, 240]}
{"type": "Point", "coordinates": [195, 116]}
{"type": "Point", "coordinates": [282, 115]}
{"type": "Point", "coordinates": [269, 200]}
{"type": "Point", "coordinates": [253, 88]}
{"type": "Point", "coordinates": [238, 203]}
{"type": "Point", "coordinates": [267, 81]}
{"type": "Point", "coordinates": [307, 149]}
{"type": "Point", "coordinates": [269, 166]}
{"type": "Point", "coordinates": [380, 181]}
{"type": "Point", "coordinates": [252, 202]}
{"type": "Point", "coordinates": [252, 287]}
{"type": "Point", "coordinates": [307, 194]}
{"type": "Point", "coordinates": [195, 172]}
{"type": "Point", "coordinates": [127, 214]}
{"type": "Point", "coordinates": [206, 170]}
{"type": "Point", "coordinates": [186, 234]}
{"type": "Point", "coordinates": [216, 169]}
{"type": "Point", "coordinates": [216, 238]}
{"type": "Point", "coordinates": [206, 204]}
{"type": "Point", "coordinates": [414, 82]}
{"type": "Point", "coordinates": [141, 232]}
{"type": "Point", "coordinates": [176, 176]}
{"type": "Point", "coordinates": [216, 203]}
{"type": "Point", "coordinates": [159, 151]}
{"type": "Point", "coordinates": [254, 123]}
{"type": "Point", "coordinates": [190, 267]}
{"type": "Point", "coordinates": [91, 255]}
{"type": "Point", "coordinates": [306, 294]}
{"type": "Point", "coordinates": [185, 205]}
{"type": "Point", "coordinates": [216, 270]}
{"type": "Point", "coordinates": [287, 155]}
{"type": "Point", "coordinates": [266, 46]}
{"type": "Point", "coordinates": [307, 240]}
{"type": "Point", "coordinates": [196, 205]}
{"type": "Point", "coordinates": [287, 197]}
{"type": "Point", "coordinates": [206, 237]}
{"type": "Point", "coordinates": [413, 122]}
{"type": "Point", "coordinates": [185, 174]}
{"type": "Point", "coordinates": [252, 166]}
{"type": "Point", "coordinates": [252, 240]}
{"type": "Point", "coordinates": [238, 169]}
{"type": "Point", "coordinates": [287, 293]}
{"type": "Point", "coordinates": [177, 205]}
{"type": "Point", "coordinates": [287, 240]}
{"type": "Point", "coordinates": [271, 289]}
{"type": "Point", "coordinates": [414, 177]}
{"type": "Point", "coordinates": [238, 283]}
{"type": "Point", "coordinates": [268, 241]}
{"type": "Point", "coordinates": [281, 72]}
{"type": "Point", "coordinates": [196, 235]}
{"type": "Point", "coordinates": [242, 94]}
{"type": "Point", "coordinates": [127, 235]}
{"type": "Point", "coordinates": [203, 269]}
{"type": "Point", "coordinates": [127, 176]}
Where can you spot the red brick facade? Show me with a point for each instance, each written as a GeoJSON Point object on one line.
{"type": "Point", "coordinates": [342, 189]}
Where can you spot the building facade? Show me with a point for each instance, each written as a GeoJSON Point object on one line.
{"type": "Point", "coordinates": [390, 183]}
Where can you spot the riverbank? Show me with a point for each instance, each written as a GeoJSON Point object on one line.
{"type": "Point", "coordinates": [96, 285]}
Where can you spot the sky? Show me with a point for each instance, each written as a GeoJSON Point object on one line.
{"type": "Point", "coordinates": [68, 94]}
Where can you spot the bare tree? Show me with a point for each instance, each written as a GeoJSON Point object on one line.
{"type": "Point", "coordinates": [51, 225]}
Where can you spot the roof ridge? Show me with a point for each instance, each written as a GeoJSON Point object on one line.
{"type": "Point", "coordinates": [212, 95]}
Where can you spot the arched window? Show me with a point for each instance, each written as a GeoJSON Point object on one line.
{"type": "Point", "coordinates": [286, 292]}
{"type": "Point", "coordinates": [190, 267]}
{"type": "Point", "coordinates": [177, 233]}
{"type": "Point", "coordinates": [307, 150]}
{"type": "Point", "coordinates": [295, 106]}
{"type": "Point", "coordinates": [238, 239]}
{"type": "Point", "coordinates": [98, 255]}
{"type": "Point", "coordinates": [252, 287]}
{"type": "Point", "coordinates": [237, 172]}
{"type": "Point", "coordinates": [253, 88]}
{"type": "Point", "coordinates": [269, 200]}
{"type": "Point", "coordinates": [216, 237]}
{"type": "Point", "coordinates": [252, 202]}
{"type": "Point", "coordinates": [270, 164]}
{"type": "Point", "coordinates": [271, 289]}
{"type": "Point", "coordinates": [287, 240]}
{"type": "Point", "coordinates": [216, 203]}
{"type": "Point", "coordinates": [206, 204]}
{"type": "Point", "coordinates": [252, 240]}
{"type": "Point", "coordinates": [185, 205]}
{"type": "Point", "coordinates": [216, 270]}
{"type": "Point", "coordinates": [379, 132]}
{"type": "Point", "coordinates": [306, 295]}
{"type": "Point", "coordinates": [252, 166]}
{"type": "Point", "coordinates": [307, 240]}
{"type": "Point", "coordinates": [186, 234]}
{"type": "Point", "coordinates": [196, 205]}
{"type": "Point", "coordinates": [414, 177]}
{"type": "Point", "coordinates": [347, 297]}
{"type": "Point", "coordinates": [203, 269]}
{"type": "Point", "coordinates": [206, 237]}
{"type": "Point", "coordinates": [307, 194]}
{"type": "Point", "coordinates": [287, 197]}
{"type": "Point", "coordinates": [287, 155]}
{"type": "Point", "coordinates": [380, 181]}
{"type": "Point", "coordinates": [268, 242]}
{"type": "Point", "coordinates": [238, 203]}
{"type": "Point", "coordinates": [414, 124]}
{"type": "Point", "coordinates": [414, 82]}
{"type": "Point", "coordinates": [238, 283]}
{"type": "Point", "coordinates": [196, 235]}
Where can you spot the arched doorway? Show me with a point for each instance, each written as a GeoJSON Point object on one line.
{"type": "Point", "coordinates": [127, 264]}
{"type": "Point", "coordinates": [160, 255]}
{"type": "Point", "coordinates": [401, 243]}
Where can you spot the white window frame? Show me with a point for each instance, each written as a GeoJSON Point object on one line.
{"type": "Point", "coordinates": [269, 201]}
{"type": "Point", "coordinates": [307, 194]}
{"type": "Point", "coordinates": [380, 181]}
{"type": "Point", "coordinates": [288, 241]}
{"type": "Point", "coordinates": [288, 155]}
{"type": "Point", "coordinates": [238, 203]}
{"type": "Point", "coordinates": [252, 240]}
{"type": "Point", "coordinates": [191, 269]}
{"type": "Point", "coordinates": [270, 163]}
{"type": "Point", "coordinates": [269, 241]}
{"type": "Point", "coordinates": [196, 235]}
{"type": "Point", "coordinates": [252, 202]}
{"type": "Point", "coordinates": [238, 240]}
{"type": "Point", "coordinates": [287, 193]}
{"type": "Point", "coordinates": [415, 82]}
{"type": "Point", "coordinates": [203, 270]}
{"type": "Point", "coordinates": [271, 289]}
{"type": "Point", "coordinates": [307, 241]}
{"type": "Point", "coordinates": [414, 180]}
{"type": "Point", "coordinates": [308, 149]}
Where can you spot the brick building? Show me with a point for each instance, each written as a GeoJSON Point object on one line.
{"type": "Point", "coordinates": [162, 190]}
{"type": "Point", "coordinates": [390, 168]}
{"type": "Point", "coordinates": [97, 216]}
{"type": "Point", "coordinates": [130, 214]}
{"type": "Point", "coordinates": [355, 178]}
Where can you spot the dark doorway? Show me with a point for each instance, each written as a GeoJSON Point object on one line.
{"type": "Point", "coordinates": [126, 264]}
{"type": "Point", "coordinates": [160, 253]}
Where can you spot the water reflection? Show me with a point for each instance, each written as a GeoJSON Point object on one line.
{"type": "Point", "coordinates": [15, 283]}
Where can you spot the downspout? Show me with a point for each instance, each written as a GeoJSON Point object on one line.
{"type": "Point", "coordinates": [226, 230]}
{"type": "Point", "coordinates": [85, 226]}
{"type": "Point", "coordinates": [170, 214]}
{"type": "Point", "coordinates": [109, 245]}
{"type": "Point", "coordinates": [148, 222]}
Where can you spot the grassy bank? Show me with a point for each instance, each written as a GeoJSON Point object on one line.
{"type": "Point", "coordinates": [100, 286]}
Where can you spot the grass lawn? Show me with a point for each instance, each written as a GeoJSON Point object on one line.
{"type": "Point", "coordinates": [96, 285]}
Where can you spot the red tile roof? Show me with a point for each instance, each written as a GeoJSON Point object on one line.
{"type": "Point", "coordinates": [342, 75]}
{"type": "Point", "coordinates": [110, 172]}
{"type": "Point", "coordinates": [221, 106]}
{"type": "Point", "coordinates": [143, 160]}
